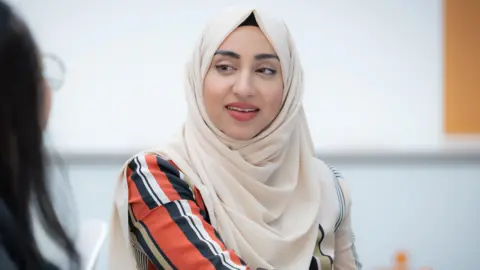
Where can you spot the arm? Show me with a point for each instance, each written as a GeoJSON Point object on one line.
{"type": "Point", "coordinates": [168, 223]}
{"type": "Point", "coordinates": [345, 254]}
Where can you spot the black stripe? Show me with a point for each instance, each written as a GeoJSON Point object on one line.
{"type": "Point", "coordinates": [218, 236]}
{"type": "Point", "coordinates": [342, 201]}
{"type": "Point", "coordinates": [320, 243]}
{"type": "Point", "coordinates": [313, 264]}
{"type": "Point", "coordinates": [139, 183]}
{"type": "Point", "coordinates": [173, 176]}
{"type": "Point", "coordinates": [205, 216]}
{"type": "Point", "coordinates": [167, 167]}
{"type": "Point", "coordinates": [143, 243]}
{"type": "Point", "coordinates": [146, 180]}
{"type": "Point", "coordinates": [339, 191]}
{"type": "Point", "coordinates": [131, 214]}
{"type": "Point", "coordinates": [191, 235]}
{"type": "Point", "coordinates": [208, 242]}
{"type": "Point", "coordinates": [335, 172]}
{"type": "Point", "coordinates": [242, 262]}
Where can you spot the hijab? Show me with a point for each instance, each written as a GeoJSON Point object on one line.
{"type": "Point", "coordinates": [262, 194]}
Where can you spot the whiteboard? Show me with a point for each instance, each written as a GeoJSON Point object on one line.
{"type": "Point", "coordinates": [373, 69]}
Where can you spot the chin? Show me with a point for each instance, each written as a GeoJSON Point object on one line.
{"type": "Point", "coordinates": [240, 135]}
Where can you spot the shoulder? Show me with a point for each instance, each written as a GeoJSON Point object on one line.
{"type": "Point", "coordinates": [152, 162]}
{"type": "Point", "coordinates": [336, 177]}
{"type": "Point", "coordinates": [155, 181]}
{"type": "Point", "coordinates": [341, 185]}
{"type": "Point", "coordinates": [339, 192]}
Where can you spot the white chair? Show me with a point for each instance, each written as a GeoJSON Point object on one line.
{"type": "Point", "coordinates": [91, 236]}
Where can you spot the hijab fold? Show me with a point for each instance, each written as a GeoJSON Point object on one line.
{"type": "Point", "coordinates": [262, 195]}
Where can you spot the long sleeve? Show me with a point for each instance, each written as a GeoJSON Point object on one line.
{"type": "Point", "coordinates": [345, 254]}
{"type": "Point", "coordinates": [167, 221]}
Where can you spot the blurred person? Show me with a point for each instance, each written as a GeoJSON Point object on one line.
{"type": "Point", "coordinates": [25, 99]}
{"type": "Point", "coordinates": [240, 186]}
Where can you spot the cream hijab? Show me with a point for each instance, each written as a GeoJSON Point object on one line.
{"type": "Point", "coordinates": [262, 195]}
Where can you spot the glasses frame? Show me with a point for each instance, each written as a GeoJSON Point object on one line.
{"type": "Point", "coordinates": [49, 59]}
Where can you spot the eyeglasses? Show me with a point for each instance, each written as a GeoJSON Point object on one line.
{"type": "Point", "coordinates": [53, 71]}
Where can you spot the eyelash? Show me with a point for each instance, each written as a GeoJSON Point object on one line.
{"type": "Point", "coordinates": [221, 68]}
{"type": "Point", "coordinates": [271, 70]}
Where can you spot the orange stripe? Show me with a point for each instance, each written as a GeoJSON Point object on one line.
{"type": "Point", "coordinates": [151, 266]}
{"type": "Point", "coordinates": [173, 242]}
{"type": "Point", "coordinates": [196, 192]}
{"type": "Point", "coordinates": [165, 232]}
{"type": "Point", "coordinates": [161, 178]}
{"type": "Point", "coordinates": [135, 199]}
{"type": "Point", "coordinates": [209, 229]}
{"type": "Point", "coordinates": [235, 258]}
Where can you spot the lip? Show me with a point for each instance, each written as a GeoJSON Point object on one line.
{"type": "Point", "coordinates": [239, 115]}
{"type": "Point", "coordinates": [242, 105]}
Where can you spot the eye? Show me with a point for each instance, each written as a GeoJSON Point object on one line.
{"type": "Point", "coordinates": [224, 68]}
{"type": "Point", "coordinates": [267, 71]}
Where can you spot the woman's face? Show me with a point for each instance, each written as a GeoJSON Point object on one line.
{"type": "Point", "coordinates": [243, 89]}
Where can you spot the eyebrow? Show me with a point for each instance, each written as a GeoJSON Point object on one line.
{"type": "Point", "coordinates": [235, 55]}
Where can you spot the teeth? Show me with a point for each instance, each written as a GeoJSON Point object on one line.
{"type": "Point", "coordinates": [241, 110]}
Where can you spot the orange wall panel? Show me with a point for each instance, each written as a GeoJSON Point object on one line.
{"type": "Point", "coordinates": [462, 66]}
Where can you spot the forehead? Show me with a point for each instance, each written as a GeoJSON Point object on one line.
{"type": "Point", "coordinates": [247, 39]}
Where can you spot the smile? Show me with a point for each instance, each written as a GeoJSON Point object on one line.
{"type": "Point", "coordinates": [241, 109]}
{"type": "Point", "coordinates": [242, 114]}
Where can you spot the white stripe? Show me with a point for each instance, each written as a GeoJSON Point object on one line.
{"type": "Point", "coordinates": [341, 200]}
{"type": "Point", "coordinates": [152, 186]}
{"type": "Point", "coordinates": [182, 176]}
{"type": "Point", "coordinates": [340, 196]}
{"type": "Point", "coordinates": [203, 235]}
{"type": "Point", "coordinates": [354, 252]}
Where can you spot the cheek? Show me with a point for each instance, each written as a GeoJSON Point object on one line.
{"type": "Point", "coordinates": [214, 93]}
{"type": "Point", "coordinates": [210, 92]}
{"type": "Point", "coordinates": [274, 98]}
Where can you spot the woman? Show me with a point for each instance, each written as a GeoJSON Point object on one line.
{"type": "Point", "coordinates": [23, 116]}
{"type": "Point", "coordinates": [240, 187]}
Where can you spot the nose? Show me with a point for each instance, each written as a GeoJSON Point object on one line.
{"type": "Point", "coordinates": [243, 86]}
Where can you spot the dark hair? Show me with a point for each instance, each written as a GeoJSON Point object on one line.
{"type": "Point", "coordinates": [23, 180]}
{"type": "Point", "coordinates": [250, 21]}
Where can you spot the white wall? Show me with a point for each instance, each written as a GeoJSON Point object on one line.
{"type": "Point", "coordinates": [373, 70]}
{"type": "Point", "coordinates": [428, 208]}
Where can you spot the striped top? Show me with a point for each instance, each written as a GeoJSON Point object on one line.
{"type": "Point", "coordinates": [170, 227]}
